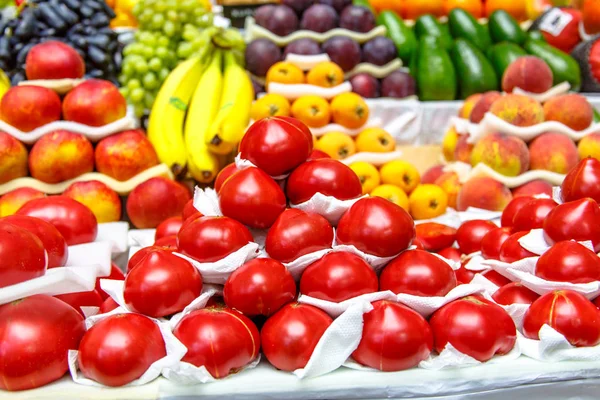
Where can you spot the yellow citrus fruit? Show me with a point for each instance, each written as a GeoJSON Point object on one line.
{"type": "Point", "coordinates": [284, 72]}
{"type": "Point", "coordinates": [349, 110]}
{"type": "Point", "coordinates": [270, 105]}
{"type": "Point", "coordinates": [312, 110]}
{"type": "Point", "coordinates": [449, 144]}
{"type": "Point", "coordinates": [368, 175]}
{"type": "Point", "coordinates": [402, 174]}
{"type": "Point", "coordinates": [375, 140]}
{"type": "Point", "coordinates": [325, 74]}
{"type": "Point", "coordinates": [428, 201]}
{"type": "Point", "coordinates": [337, 145]}
{"type": "Point", "coordinates": [392, 193]}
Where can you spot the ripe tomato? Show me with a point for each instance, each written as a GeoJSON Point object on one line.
{"type": "Point", "coordinates": [470, 234]}
{"type": "Point", "coordinates": [140, 254]}
{"type": "Point", "coordinates": [276, 145]}
{"type": "Point", "coordinates": [107, 306]}
{"type": "Point", "coordinates": [221, 339]}
{"type": "Point", "coordinates": [512, 251]}
{"type": "Point", "coordinates": [582, 181]}
{"type": "Point", "coordinates": [120, 348]}
{"type": "Point", "coordinates": [82, 299]}
{"type": "Point", "coordinates": [290, 336]}
{"type": "Point", "coordinates": [532, 214]}
{"type": "Point", "coordinates": [54, 243]}
{"type": "Point", "coordinates": [496, 278]}
{"type": "Point", "coordinates": [169, 227]}
{"type": "Point", "coordinates": [189, 210]}
{"type": "Point", "coordinates": [169, 242]}
{"type": "Point", "coordinates": [419, 273]}
{"type": "Point", "coordinates": [435, 236]}
{"type": "Point", "coordinates": [73, 220]}
{"type": "Point", "coordinates": [474, 326]}
{"type": "Point", "coordinates": [338, 276]}
{"type": "Point", "coordinates": [376, 226]}
{"type": "Point", "coordinates": [394, 338]}
{"type": "Point", "coordinates": [569, 313]}
{"type": "Point", "coordinates": [492, 243]}
{"type": "Point", "coordinates": [115, 274]}
{"type": "Point", "coordinates": [161, 284]}
{"type": "Point", "coordinates": [568, 262]}
{"type": "Point", "coordinates": [508, 215]}
{"type": "Point", "coordinates": [296, 233]}
{"type": "Point", "coordinates": [451, 253]}
{"type": "Point", "coordinates": [576, 220]}
{"type": "Point", "coordinates": [463, 275]}
{"type": "Point", "coordinates": [253, 198]}
{"type": "Point", "coordinates": [514, 293]}
{"type": "Point", "coordinates": [418, 244]}
{"type": "Point", "coordinates": [22, 255]}
{"type": "Point", "coordinates": [260, 287]}
{"type": "Point", "coordinates": [326, 176]}
{"type": "Point", "coordinates": [210, 239]}
{"type": "Point", "coordinates": [316, 154]}
{"type": "Point", "coordinates": [35, 335]}
{"type": "Point", "coordinates": [223, 175]}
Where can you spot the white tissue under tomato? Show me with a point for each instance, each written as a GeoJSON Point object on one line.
{"type": "Point", "coordinates": [327, 206]}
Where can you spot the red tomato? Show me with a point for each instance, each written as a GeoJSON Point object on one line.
{"type": "Point", "coordinates": [508, 215]}
{"type": "Point", "coordinates": [512, 251]}
{"type": "Point", "coordinates": [338, 276]}
{"type": "Point", "coordinates": [514, 293]}
{"type": "Point", "coordinates": [253, 198]}
{"type": "Point", "coordinates": [434, 236]}
{"type": "Point", "coordinates": [169, 227]}
{"type": "Point", "coordinates": [418, 244]}
{"type": "Point", "coordinates": [108, 305]}
{"type": "Point", "coordinates": [223, 175]}
{"type": "Point", "coordinates": [582, 181]}
{"type": "Point", "coordinates": [569, 313]}
{"type": "Point", "coordinates": [376, 226]}
{"type": "Point", "coordinates": [22, 255]}
{"type": "Point", "coordinates": [161, 284]}
{"type": "Point", "coordinates": [73, 220]}
{"type": "Point", "coordinates": [54, 243]}
{"type": "Point", "coordinates": [463, 275]}
{"type": "Point", "coordinates": [210, 239]}
{"type": "Point", "coordinates": [222, 340]}
{"type": "Point", "coordinates": [576, 220]}
{"type": "Point", "coordinates": [568, 262]}
{"type": "Point", "coordinates": [496, 278]}
{"type": "Point", "coordinates": [394, 338]}
{"type": "Point", "coordinates": [419, 273]}
{"type": "Point", "coordinates": [470, 234]}
{"type": "Point", "coordinates": [120, 348]}
{"type": "Point", "coordinates": [115, 274]}
{"type": "Point", "coordinates": [35, 335]}
{"type": "Point", "coordinates": [189, 210]}
{"type": "Point", "coordinates": [326, 176]}
{"type": "Point", "coordinates": [260, 287]}
{"type": "Point", "coordinates": [316, 154]}
{"type": "Point", "coordinates": [290, 336]}
{"type": "Point", "coordinates": [492, 243]}
{"type": "Point", "coordinates": [532, 215]}
{"type": "Point", "coordinates": [276, 145]}
{"type": "Point", "coordinates": [474, 326]}
{"type": "Point", "coordinates": [296, 233]}
{"type": "Point", "coordinates": [169, 242]}
{"type": "Point", "coordinates": [82, 299]}
{"type": "Point", "coordinates": [451, 253]}
{"type": "Point", "coordinates": [140, 254]}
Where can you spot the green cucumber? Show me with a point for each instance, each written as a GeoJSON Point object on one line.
{"type": "Point", "coordinates": [402, 36]}
{"type": "Point", "coordinates": [536, 35]}
{"type": "Point", "coordinates": [504, 28]}
{"type": "Point", "coordinates": [433, 71]}
{"type": "Point", "coordinates": [563, 66]}
{"type": "Point", "coordinates": [464, 25]}
{"type": "Point", "coordinates": [428, 25]}
{"type": "Point", "coordinates": [474, 71]}
{"type": "Point", "coordinates": [501, 55]}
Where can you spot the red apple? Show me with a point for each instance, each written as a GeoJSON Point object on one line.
{"type": "Point", "coordinates": [53, 60]}
{"type": "Point", "coordinates": [95, 102]}
{"type": "Point", "coordinates": [124, 155]}
{"type": "Point", "coordinates": [104, 202]}
{"type": "Point", "coordinates": [13, 158]}
{"type": "Point", "coordinates": [15, 199]}
{"type": "Point", "coordinates": [29, 107]}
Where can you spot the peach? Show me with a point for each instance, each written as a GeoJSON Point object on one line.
{"type": "Point", "coordinates": [29, 107]}
{"type": "Point", "coordinates": [533, 188]}
{"type": "Point", "coordinates": [53, 60]}
{"type": "Point", "coordinates": [483, 105]}
{"type": "Point", "coordinates": [15, 199]}
{"type": "Point", "coordinates": [449, 144]}
{"type": "Point", "coordinates": [553, 152]}
{"type": "Point", "coordinates": [95, 102]}
{"type": "Point", "coordinates": [155, 200]}
{"type": "Point", "coordinates": [465, 110]}
{"type": "Point", "coordinates": [507, 155]}
{"type": "Point", "coordinates": [518, 110]}
{"type": "Point", "coordinates": [528, 73]}
{"type": "Point", "coordinates": [463, 149]}
{"type": "Point", "coordinates": [432, 174]}
{"type": "Point", "coordinates": [104, 202]}
{"type": "Point", "coordinates": [124, 155]}
{"type": "Point", "coordinates": [572, 110]}
{"type": "Point", "coordinates": [13, 158]}
{"type": "Point", "coordinates": [450, 184]}
{"type": "Point", "coordinates": [483, 192]}
{"type": "Point", "coordinates": [61, 155]}
{"type": "Point", "coordinates": [589, 146]}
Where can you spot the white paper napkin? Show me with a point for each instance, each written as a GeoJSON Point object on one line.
{"type": "Point", "coordinates": [554, 347]}
{"type": "Point", "coordinates": [327, 206]}
{"type": "Point", "coordinates": [116, 233]}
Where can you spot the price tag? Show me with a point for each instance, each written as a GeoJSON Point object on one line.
{"type": "Point", "coordinates": [555, 21]}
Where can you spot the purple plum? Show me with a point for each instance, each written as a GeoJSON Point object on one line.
{"type": "Point", "coordinates": [299, 6]}
{"type": "Point", "coordinates": [339, 5]}
{"type": "Point", "coordinates": [304, 46]}
{"type": "Point", "coordinates": [343, 51]}
{"type": "Point", "coordinates": [319, 18]}
{"type": "Point", "coordinates": [379, 51]}
{"type": "Point", "coordinates": [365, 85]}
{"type": "Point", "coordinates": [261, 54]}
{"type": "Point", "coordinates": [398, 84]}
{"type": "Point", "coordinates": [357, 19]}
{"type": "Point", "coordinates": [282, 21]}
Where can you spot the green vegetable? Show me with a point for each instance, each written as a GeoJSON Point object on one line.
{"type": "Point", "coordinates": [433, 71]}
{"type": "Point", "coordinates": [464, 25]}
{"type": "Point", "coordinates": [501, 55]}
{"type": "Point", "coordinates": [504, 28]}
{"type": "Point", "coordinates": [474, 71]}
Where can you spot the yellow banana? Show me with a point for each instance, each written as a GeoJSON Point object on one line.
{"type": "Point", "coordinates": [233, 117]}
{"type": "Point", "coordinates": [165, 127]}
{"type": "Point", "coordinates": [202, 164]}
{"type": "Point", "coordinates": [4, 83]}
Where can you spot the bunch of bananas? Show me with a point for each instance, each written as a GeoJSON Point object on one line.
{"type": "Point", "coordinates": [202, 110]}
{"type": "Point", "coordinates": [4, 84]}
